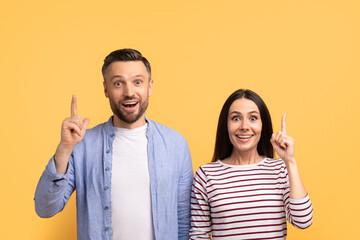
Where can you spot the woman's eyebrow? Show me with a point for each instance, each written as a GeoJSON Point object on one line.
{"type": "Point", "coordinates": [237, 112]}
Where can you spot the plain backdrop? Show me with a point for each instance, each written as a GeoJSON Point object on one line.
{"type": "Point", "coordinates": [301, 57]}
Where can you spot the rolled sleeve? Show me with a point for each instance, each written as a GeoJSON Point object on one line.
{"type": "Point", "coordinates": [53, 190]}
{"type": "Point", "coordinates": [300, 212]}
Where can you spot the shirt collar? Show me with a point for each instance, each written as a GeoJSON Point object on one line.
{"type": "Point", "coordinates": [109, 127]}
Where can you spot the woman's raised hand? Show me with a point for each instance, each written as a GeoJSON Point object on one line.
{"type": "Point", "coordinates": [283, 144]}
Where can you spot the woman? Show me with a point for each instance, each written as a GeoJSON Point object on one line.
{"type": "Point", "coordinates": [245, 193]}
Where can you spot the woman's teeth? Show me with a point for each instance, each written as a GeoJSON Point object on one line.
{"type": "Point", "coordinates": [243, 137]}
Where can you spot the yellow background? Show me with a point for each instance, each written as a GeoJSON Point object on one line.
{"type": "Point", "coordinates": [302, 57]}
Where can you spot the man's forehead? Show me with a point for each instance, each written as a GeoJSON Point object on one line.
{"type": "Point", "coordinates": [127, 64]}
{"type": "Point", "coordinates": [126, 69]}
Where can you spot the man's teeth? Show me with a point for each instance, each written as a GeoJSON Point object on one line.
{"type": "Point", "coordinates": [129, 103]}
{"type": "Point", "coordinates": [243, 137]}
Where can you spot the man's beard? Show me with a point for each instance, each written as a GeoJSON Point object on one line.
{"type": "Point", "coordinates": [129, 117]}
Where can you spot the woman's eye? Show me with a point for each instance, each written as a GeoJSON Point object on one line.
{"type": "Point", "coordinates": [253, 118]}
{"type": "Point", "coordinates": [236, 118]}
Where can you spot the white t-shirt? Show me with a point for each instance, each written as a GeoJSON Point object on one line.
{"type": "Point", "coordinates": [130, 186]}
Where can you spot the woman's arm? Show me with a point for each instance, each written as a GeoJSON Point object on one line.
{"type": "Point", "coordinates": [284, 147]}
{"type": "Point", "coordinates": [298, 206]}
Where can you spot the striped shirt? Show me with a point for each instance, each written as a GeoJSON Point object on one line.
{"type": "Point", "coordinates": [245, 202]}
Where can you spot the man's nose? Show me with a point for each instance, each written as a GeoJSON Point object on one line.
{"type": "Point", "coordinates": [128, 90]}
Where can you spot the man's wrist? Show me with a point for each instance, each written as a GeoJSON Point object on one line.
{"type": "Point", "coordinates": [61, 158]}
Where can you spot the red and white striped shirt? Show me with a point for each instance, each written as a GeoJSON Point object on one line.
{"type": "Point", "coordinates": [245, 202]}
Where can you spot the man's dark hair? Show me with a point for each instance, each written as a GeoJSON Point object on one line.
{"type": "Point", "coordinates": [126, 54]}
{"type": "Point", "coordinates": [223, 145]}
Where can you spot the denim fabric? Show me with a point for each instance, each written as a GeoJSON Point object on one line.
{"type": "Point", "coordinates": [89, 173]}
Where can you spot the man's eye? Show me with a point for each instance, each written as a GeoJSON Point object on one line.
{"type": "Point", "coordinates": [117, 83]}
{"type": "Point", "coordinates": [138, 82]}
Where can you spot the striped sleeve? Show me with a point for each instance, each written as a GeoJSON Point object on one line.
{"type": "Point", "coordinates": [299, 212]}
{"type": "Point", "coordinates": [200, 209]}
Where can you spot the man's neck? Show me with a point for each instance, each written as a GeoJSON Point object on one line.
{"type": "Point", "coordinates": [121, 124]}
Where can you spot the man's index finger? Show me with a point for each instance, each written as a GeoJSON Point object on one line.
{"type": "Point", "coordinates": [73, 106]}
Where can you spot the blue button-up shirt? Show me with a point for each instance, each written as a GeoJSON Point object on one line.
{"type": "Point", "coordinates": [89, 173]}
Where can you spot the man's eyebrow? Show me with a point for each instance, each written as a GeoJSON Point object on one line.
{"type": "Point", "coordinates": [116, 76]}
{"type": "Point", "coordinates": [121, 77]}
{"type": "Point", "coordinates": [138, 76]}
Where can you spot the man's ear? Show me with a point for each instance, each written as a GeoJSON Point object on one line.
{"type": "Point", "coordinates": [150, 86]}
{"type": "Point", "coordinates": [105, 89]}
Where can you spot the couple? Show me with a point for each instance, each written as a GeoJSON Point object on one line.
{"type": "Point", "coordinates": [134, 179]}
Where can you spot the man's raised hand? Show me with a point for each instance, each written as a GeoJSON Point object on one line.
{"type": "Point", "coordinates": [73, 128]}
{"type": "Point", "coordinates": [72, 132]}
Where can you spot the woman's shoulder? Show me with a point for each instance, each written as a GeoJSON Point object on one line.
{"type": "Point", "coordinates": [277, 165]}
{"type": "Point", "coordinates": [213, 166]}
{"type": "Point", "coordinates": [273, 161]}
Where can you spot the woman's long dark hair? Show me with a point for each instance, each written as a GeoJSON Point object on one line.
{"type": "Point", "coordinates": [223, 146]}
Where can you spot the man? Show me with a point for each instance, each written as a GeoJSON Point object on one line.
{"type": "Point", "coordinates": [132, 176]}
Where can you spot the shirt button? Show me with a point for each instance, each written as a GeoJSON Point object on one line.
{"type": "Point", "coordinates": [106, 188]}
{"type": "Point", "coordinates": [107, 151]}
{"type": "Point", "coordinates": [107, 169]}
{"type": "Point", "coordinates": [112, 135]}
{"type": "Point", "coordinates": [107, 229]}
{"type": "Point", "coordinates": [106, 208]}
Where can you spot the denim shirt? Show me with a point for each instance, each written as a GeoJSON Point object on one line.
{"type": "Point", "coordinates": [89, 173]}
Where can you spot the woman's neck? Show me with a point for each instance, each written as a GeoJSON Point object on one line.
{"type": "Point", "coordinates": [243, 158]}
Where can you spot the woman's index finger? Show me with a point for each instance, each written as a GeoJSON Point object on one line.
{"type": "Point", "coordinates": [283, 123]}
{"type": "Point", "coordinates": [73, 106]}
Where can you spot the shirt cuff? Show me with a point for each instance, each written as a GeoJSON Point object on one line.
{"type": "Point", "coordinates": [52, 175]}
{"type": "Point", "coordinates": [300, 200]}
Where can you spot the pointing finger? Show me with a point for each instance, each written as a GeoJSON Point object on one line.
{"type": "Point", "coordinates": [283, 124]}
{"type": "Point", "coordinates": [73, 106]}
